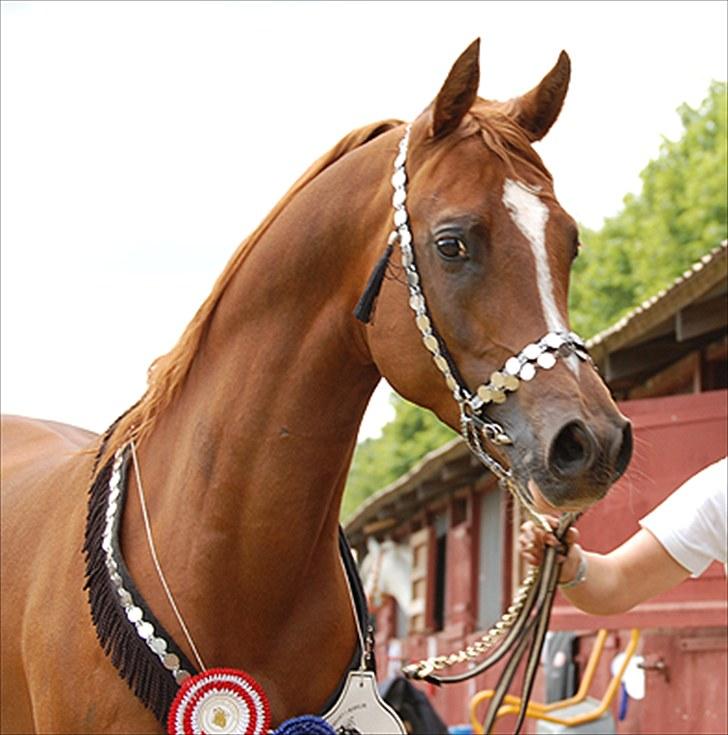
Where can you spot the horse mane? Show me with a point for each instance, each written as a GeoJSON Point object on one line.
{"type": "Point", "coordinates": [168, 372]}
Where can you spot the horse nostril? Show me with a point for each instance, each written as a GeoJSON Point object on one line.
{"type": "Point", "coordinates": [572, 450]}
{"type": "Point", "coordinates": [625, 451]}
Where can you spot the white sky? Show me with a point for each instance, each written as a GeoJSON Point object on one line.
{"type": "Point", "coordinates": [141, 142]}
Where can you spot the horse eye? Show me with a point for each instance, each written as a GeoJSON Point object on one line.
{"type": "Point", "coordinates": [451, 248]}
{"type": "Point", "coordinates": [575, 247]}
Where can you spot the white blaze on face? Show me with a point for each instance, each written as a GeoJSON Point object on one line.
{"type": "Point", "coordinates": [530, 215]}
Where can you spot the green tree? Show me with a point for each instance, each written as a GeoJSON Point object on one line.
{"type": "Point", "coordinates": [679, 215]}
{"type": "Point", "coordinates": [409, 436]}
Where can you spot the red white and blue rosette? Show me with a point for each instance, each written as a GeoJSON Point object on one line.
{"type": "Point", "coordinates": [218, 702]}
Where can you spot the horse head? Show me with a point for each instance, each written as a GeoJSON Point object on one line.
{"type": "Point", "coordinates": [493, 250]}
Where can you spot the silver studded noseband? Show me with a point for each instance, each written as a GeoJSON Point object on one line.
{"type": "Point", "coordinates": [476, 427]}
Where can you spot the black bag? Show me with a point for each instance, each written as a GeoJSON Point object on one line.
{"type": "Point", "coordinates": [416, 711]}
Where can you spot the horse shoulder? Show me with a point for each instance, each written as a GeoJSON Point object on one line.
{"type": "Point", "coordinates": [32, 448]}
{"type": "Point", "coordinates": [46, 468]}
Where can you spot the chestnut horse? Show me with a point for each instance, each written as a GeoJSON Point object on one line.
{"type": "Point", "coordinates": [248, 424]}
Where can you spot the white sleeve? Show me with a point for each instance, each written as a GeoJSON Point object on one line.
{"type": "Point", "coordinates": [692, 523]}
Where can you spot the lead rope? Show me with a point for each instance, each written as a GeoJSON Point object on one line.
{"type": "Point", "coordinates": [424, 669]}
{"type": "Point", "coordinates": [520, 608]}
{"type": "Point", "coordinates": [522, 627]}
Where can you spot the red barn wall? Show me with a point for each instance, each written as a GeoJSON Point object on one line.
{"type": "Point", "coordinates": [686, 627]}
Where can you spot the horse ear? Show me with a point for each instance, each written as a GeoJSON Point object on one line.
{"type": "Point", "coordinates": [537, 110]}
{"type": "Point", "coordinates": [458, 92]}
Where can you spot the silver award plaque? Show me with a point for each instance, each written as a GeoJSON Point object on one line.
{"type": "Point", "coordinates": [361, 710]}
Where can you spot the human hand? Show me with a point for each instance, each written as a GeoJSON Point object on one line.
{"type": "Point", "coordinates": [533, 539]}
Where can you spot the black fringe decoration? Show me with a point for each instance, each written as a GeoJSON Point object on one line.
{"type": "Point", "coordinates": [365, 307]}
{"type": "Point", "coordinates": [137, 664]}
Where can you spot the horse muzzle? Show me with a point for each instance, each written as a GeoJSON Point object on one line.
{"type": "Point", "coordinates": [580, 463]}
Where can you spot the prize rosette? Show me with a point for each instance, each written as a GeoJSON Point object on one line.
{"type": "Point", "coordinates": [217, 702]}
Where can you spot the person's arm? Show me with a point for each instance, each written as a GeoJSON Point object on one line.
{"type": "Point", "coordinates": [615, 582]}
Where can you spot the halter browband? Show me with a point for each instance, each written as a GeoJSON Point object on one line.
{"type": "Point", "coordinates": [543, 354]}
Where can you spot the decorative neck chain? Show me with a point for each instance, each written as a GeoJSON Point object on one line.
{"type": "Point", "coordinates": [156, 669]}
{"type": "Point", "coordinates": [157, 642]}
{"type": "Point", "coordinates": [136, 642]}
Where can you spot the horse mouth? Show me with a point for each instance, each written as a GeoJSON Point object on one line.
{"type": "Point", "coordinates": [573, 471]}
{"type": "Point", "coordinates": [542, 505]}
{"type": "Point", "coordinates": [549, 496]}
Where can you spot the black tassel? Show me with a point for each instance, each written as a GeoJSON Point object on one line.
{"type": "Point", "coordinates": [365, 308]}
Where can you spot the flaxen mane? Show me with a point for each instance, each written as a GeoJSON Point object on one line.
{"type": "Point", "coordinates": [168, 372]}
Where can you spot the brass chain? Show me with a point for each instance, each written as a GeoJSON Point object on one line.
{"type": "Point", "coordinates": [423, 668]}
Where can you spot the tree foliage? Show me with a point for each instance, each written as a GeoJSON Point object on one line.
{"type": "Point", "coordinates": [679, 215]}
{"type": "Point", "coordinates": [409, 436]}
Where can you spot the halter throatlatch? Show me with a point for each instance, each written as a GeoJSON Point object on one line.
{"type": "Point", "coordinates": [526, 620]}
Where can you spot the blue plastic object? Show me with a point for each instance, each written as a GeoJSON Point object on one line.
{"type": "Point", "coordinates": [305, 725]}
{"type": "Point", "coordinates": [623, 702]}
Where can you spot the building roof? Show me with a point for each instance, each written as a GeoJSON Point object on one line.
{"type": "Point", "coordinates": [666, 326]}
{"type": "Point", "coordinates": [431, 476]}
{"type": "Point", "coordinates": [702, 276]}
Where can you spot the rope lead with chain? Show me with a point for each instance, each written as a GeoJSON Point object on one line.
{"type": "Point", "coordinates": [423, 669]}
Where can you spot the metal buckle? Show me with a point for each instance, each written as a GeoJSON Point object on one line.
{"type": "Point", "coordinates": [489, 430]}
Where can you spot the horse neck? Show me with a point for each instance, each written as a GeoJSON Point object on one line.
{"type": "Point", "coordinates": [245, 469]}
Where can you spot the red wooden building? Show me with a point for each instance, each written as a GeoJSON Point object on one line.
{"type": "Point", "coordinates": [666, 363]}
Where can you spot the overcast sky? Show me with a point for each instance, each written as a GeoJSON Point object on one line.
{"type": "Point", "coordinates": [141, 142]}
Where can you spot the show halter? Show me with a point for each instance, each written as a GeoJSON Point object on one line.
{"type": "Point", "coordinates": [521, 368]}
{"type": "Point", "coordinates": [537, 591]}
